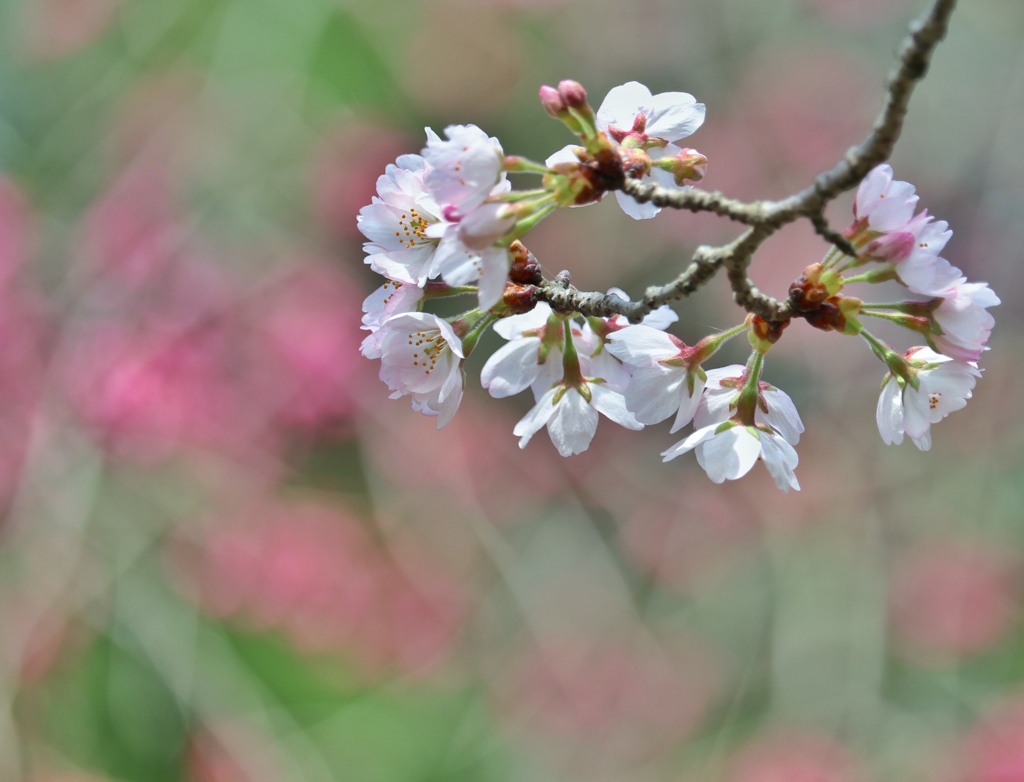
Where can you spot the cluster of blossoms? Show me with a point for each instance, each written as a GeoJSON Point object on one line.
{"type": "Point", "coordinates": [446, 223]}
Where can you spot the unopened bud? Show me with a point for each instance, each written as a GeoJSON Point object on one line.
{"type": "Point", "coordinates": [837, 313]}
{"type": "Point", "coordinates": [575, 99]}
{"type": "Point", "coordinates": [525, 269]}
{"type": "Point", "coordinates": [635, 162]}
{"type": "Point", "coordinates": [814, 286]}
{"type": "Point", "coordinates": [893, 247]}
{"type": "Point", "coordinates": [520, 298]}
{"type": "Point", "coordinates": [689, 166]}
{"type": "Point", "coordinates": [572, 94]}
{"type": "Point", "coordinates": [764, 333]}
{"type": "Point", "coordinates": [552, 102]}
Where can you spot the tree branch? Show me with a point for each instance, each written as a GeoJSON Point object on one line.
{"type": "Point", "coordinates": [764, 218]}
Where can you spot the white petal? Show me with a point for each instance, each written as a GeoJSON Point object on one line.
{"type": "Point", "coordinates": [635, 209]}
{"type": "Point", "coordinates": [674, 115]}
{"type": "Point", "coordinates": [566, 154]}
{"type": "Point", "coordinates": [928, 275]}
{"type": "Point", "coordinates": [781, 459]}
{"type": "Point", "coordinates": [661, 318]}
{"type": "Point", "coordinates": [782, 415]}
{"type": "Point", "coordinates": [654, 393]}
{"type": "Point", "coordinates": [573, 425]}
{"type": "Point", "coordinates": [551, 372]}
{"type": "Point", "coordinates": [514, 326]}
{"type": "Point", "coordinates": [730, 454]}
{"type": "Point", "coordinates": [611, 404]}
{"type": "Point", "coordinates": [511, 368]}
{"type": "Point", "coordinates": [889, 413]}
{"type": "Point", "coordinates": [483, 226]}
{"type": "Point", "coordinates": [641, 345]}
{"type": "Point", "coordinates": [621, 105]}
{"type": "Point", "coordinates": [689, 443]}
{"type": "Point", "coordinates": [715, 405]}
{"type": "Point", "coordinates": [495, 262]}
{"type": "Point", "coordinates": [534, 421]}
{"type": "Point", "coordinates": [450, 398]}
{"type": "Point", "coordinates": [687, 405]}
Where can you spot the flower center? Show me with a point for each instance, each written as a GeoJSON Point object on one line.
{"type": "Point", "coordinates": [431, 345]}
{"type": "Point", "coordinates": [412, 229]}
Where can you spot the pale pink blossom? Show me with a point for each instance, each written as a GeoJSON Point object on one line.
{"type": "Point", "coordinates": [421, 357]}
{"type": "Point", "coordinates": [391, 298]}
{"type": "Point", "coordinates": [463, 170]}
{"type": "Point", "coordinates": [485, 225]}
{"type": "Point", "coordinates": [964, 320]}
{"type": "Point", "coordinates": [914, 250]}
{"type": "Point", "coordinates": [945, 385]}
{"type": "Point", "coordinates": [459, 265]}
{"type": "Point", "coordinates": [598, 359]}
{"type": "Point", "coordinates": [401, 247]}
{"type": "Point", "coordinates": [884, 204]}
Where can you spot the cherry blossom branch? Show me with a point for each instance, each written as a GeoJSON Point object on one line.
{"type": "Point", "coordinates": [764, 218]}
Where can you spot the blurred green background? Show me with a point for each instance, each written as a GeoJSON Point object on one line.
{"type": "Point", "coordinates": [225, 555]}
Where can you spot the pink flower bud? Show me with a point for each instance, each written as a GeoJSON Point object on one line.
{"type": "Point", "coordinates": [894, 246]}
{"type": "Point", "coordinates": [552, 101]}
{"type": "Point", "coordinates": [690, 166]}
{"type": "Point", "coordinates": [573, 94]}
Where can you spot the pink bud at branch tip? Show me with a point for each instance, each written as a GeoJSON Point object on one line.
{"type": "Point", "coordinates": [552, 101]}
{"type": "Point", "coordinates": [572, 94]}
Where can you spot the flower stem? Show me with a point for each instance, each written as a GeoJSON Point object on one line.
{"type": "Point", "coordinates": [712, 343]}
{"type": "Point", "coordinates": [747, 400]}
{"type": "Point", "coordinates": [521, 165]}
{"type": "Point", "coordinates": [475, 331]}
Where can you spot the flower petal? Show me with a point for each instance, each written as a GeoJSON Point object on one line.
{"type": "Point", "coordinates": [573, 425]}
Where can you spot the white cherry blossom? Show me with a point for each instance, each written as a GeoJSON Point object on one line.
{"type": "Point", "coordinates": [421, 357]}
{"type": "Point", "coordinates": [630, 114]}
{"type": "Point", "coordinates": [651, 122]}
{"type": "Point", "coordinates": [532, 357]}
{"type": "Point", "coordinates": [663, 382]}
{"type": "Point", "coordinates": [571, 418]}
{"type": "Point", "coordinates": [718, 404]}
{"type": "Point", "coordinates": [727, 451]}
{"type": "Point", "coordinates": [945, 385]}
{"type": "Point", "coordinates": [727, 447]}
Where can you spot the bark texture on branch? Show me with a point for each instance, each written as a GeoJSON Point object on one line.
{"type": "Point", "coordinates": [764, 218]}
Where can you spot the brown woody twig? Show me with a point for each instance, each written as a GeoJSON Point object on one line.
{"type": "Point", "coordinates": [764, 218]}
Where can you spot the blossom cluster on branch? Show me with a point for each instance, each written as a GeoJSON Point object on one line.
{"type": "Point", "coordinates": [447, 223]}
